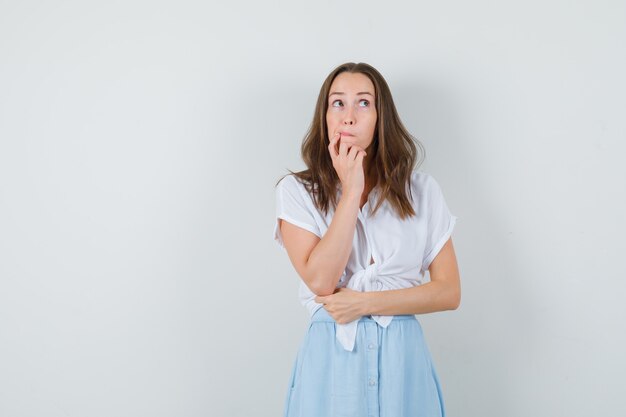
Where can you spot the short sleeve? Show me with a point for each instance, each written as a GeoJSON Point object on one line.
{"type": "Point", "coordinates": [294, 207]}
{"type": "Point", "coordinates": [440, 222]}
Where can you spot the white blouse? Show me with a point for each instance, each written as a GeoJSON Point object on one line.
{"type": "Point", "coordinates": [402, 250]}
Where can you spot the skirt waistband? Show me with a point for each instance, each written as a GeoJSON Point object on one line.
{"type": "Point", "coordinates": [322, 315]}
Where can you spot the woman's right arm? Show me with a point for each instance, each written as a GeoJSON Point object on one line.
{"type": "Point", "coordinates": [321, 262]}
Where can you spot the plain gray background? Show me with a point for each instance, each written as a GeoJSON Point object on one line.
{"type": "Point", "coordinates": [139, 146]}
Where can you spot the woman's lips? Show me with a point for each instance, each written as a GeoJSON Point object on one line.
{"type": "Point", "coordinates": [346, 134]}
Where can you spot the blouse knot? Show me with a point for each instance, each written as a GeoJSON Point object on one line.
{"type": "Point", "coordinates": [365, 279]}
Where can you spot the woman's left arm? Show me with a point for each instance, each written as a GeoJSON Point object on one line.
{"type": "Point", "coordinates": [443, 292]}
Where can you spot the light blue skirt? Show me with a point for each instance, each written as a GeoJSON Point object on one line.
{"type": "Point", "coordinates": [389, 373]}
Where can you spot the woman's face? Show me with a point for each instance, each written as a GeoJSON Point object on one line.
{"type": "Point", "coordinates": [352, 109]}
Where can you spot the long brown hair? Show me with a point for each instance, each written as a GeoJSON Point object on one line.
{"type": "Point", "coordinates": [396, 151]}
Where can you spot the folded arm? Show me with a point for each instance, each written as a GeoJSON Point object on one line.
{"type": "Point", "coordinates": [443, 292]}
{"type": "Point", "coordinates": [321, 262]}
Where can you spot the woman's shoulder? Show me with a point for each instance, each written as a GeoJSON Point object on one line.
{"type": "Point", "coordinates": [421, 181]}
{"type": "Point", "coordinates": [294, 185]}
{"type": "Point", "coordinates": [290, 181]}
{"type": "Point", "coordinates": [426, 188]}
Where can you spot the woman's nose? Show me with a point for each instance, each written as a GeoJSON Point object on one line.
{"type": "Point", "coordinates": [349, 119]}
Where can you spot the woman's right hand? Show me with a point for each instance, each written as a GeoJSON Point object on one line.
{"type": "Point", "coordinates": [348, 162]}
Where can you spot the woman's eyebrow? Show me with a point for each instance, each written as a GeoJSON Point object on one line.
{"type": "Point", "coordinates": [361, 93]}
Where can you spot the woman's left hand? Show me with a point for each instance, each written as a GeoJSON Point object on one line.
{"type": "Point", "coordinates": [344, 305]}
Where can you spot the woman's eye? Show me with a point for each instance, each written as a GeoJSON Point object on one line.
{"type": "Point", "coordinates": [338, 103]}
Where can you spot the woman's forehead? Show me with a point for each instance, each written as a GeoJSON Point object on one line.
{"type": "Point", "coordinates": [351, 83]}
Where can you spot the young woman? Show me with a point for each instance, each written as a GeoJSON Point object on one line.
{"type": "Point", "coordinates": [361, 227]}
